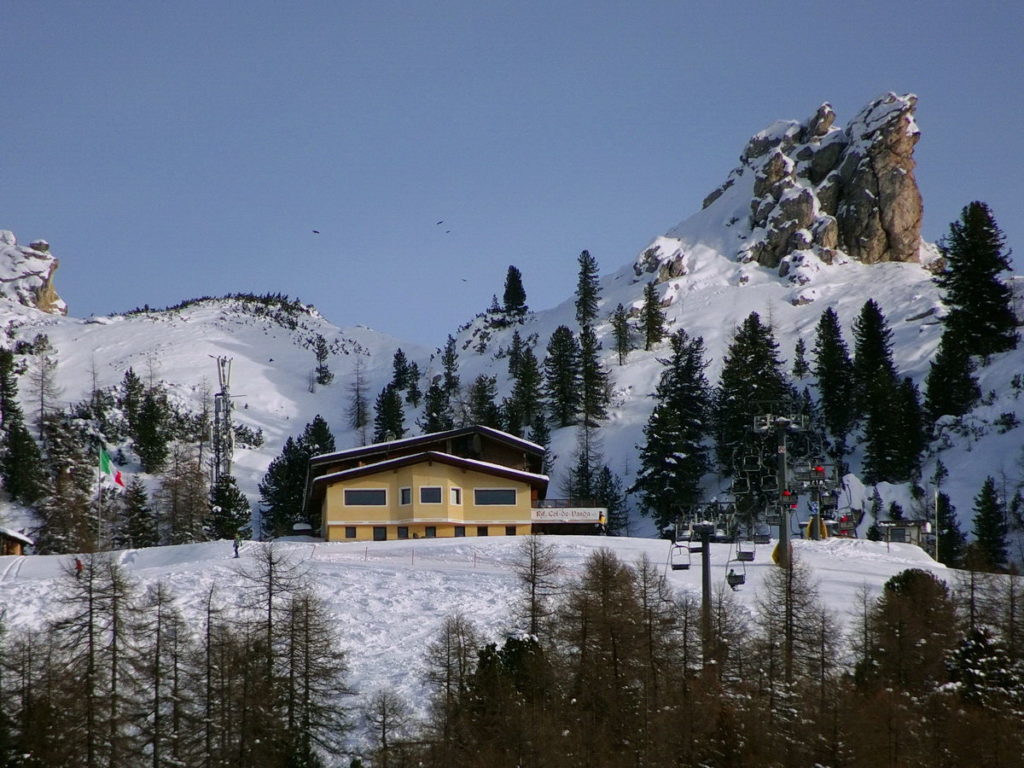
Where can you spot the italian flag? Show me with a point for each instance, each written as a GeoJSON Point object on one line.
{"type": "Point", "coordinates": [109, 472]}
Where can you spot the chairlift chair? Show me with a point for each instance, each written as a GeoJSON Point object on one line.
{"type": "Point", "coordinates": [736, 579]}
{"type": "Point", "coordinates": [745, 550]}
{"type": "Point", "coordinates": [679, 556]}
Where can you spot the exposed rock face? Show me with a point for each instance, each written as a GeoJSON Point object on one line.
{"type": "Point", "coordinates": [817, 187]}
{"type": "Point", "coordinates": [26, 274]}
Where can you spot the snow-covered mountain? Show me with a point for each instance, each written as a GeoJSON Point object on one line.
{"type": "Point", "coordinates": [814, 216]}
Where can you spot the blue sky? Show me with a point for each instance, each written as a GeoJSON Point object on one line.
{"type": "Point", "coordinates": [171, 150]}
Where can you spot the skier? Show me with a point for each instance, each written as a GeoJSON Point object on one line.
{"type": "Point", "coordinates": [78, 568]}
{"type": "Point", "coordinates": [238, 542]}
{"type": "Point", "coordinates": [731, 578]}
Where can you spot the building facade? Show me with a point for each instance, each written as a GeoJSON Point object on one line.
{"type": "Point", "coordinates": [474, 481]}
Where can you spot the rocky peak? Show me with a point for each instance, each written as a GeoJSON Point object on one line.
{"type": "Point", "coordinates": [26, 274]}
{"type": "Point", "coordinates": [818, 191]}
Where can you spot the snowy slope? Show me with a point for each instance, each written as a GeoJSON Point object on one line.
{"type": "Point", "coordinates": [714, 290]}
{"type": "Point", "coordinates": [389, 598]}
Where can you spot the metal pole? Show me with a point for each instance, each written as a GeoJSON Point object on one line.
{"type": "Point", "coordinates": [783, 548]}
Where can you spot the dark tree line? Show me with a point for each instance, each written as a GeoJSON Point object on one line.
{"type": "Point", "coordinates": [610, 668]}
{"type": "Point", "coordinates": [119, 677]}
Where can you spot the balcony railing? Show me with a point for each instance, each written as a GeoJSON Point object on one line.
{"type": "Point", "coordinates": [565, 503]}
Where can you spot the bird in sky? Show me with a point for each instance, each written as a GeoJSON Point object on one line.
{"type": "Point", "coordinates": [316, 231]}
{"type": "Point", "coordinates": [437, 223]}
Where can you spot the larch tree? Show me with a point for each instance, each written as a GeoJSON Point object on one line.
{"type": "Point", "coordinates": [358, 411]}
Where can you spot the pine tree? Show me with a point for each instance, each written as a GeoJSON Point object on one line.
{"type": "Point", "coordinates": [872, 364]}
{"type": "Point", "coordinates": [541, 435]}
{"type": "Point", "coordinates": [752, 383]}
{"type": "Point", "coordinates": [21, 467]}
{"type": "Point", "coordinates": [952, 542]}
{"type": "Point", "coordinates": [282, 489]}
{"type": "Point", "coordinates": [652, 317]}
{"type": "Point", "coordinates": [389, 418]}
{"type": "Point", "coordinates": [450, 368]}
{"type": "Point", "coordinates": [413, 395]}
{"type": "Point", "coordinates": [322, 352]}
{"type": "Point", "coordinates": [882, 441]}
{"type": "Point", "coordinates": [951, 388]}
{"type": "Point", "coordinates": [400, 371]}
{"type": "Point", "coordinates": [482, 407]}
{"type": "Point", "coordinates": [675, 456]}
{"type": "Point", "coordinates": [526, 390]}
{"type": "Point", "coordinates": [620, 332]}
{"type": "Point", "coordinates": [229, 509]}
{"type": "Point", "coordinates": [515, 354]}
{"type": "Point", "coordinates": [981, 316]}
{"type": "Point", "coordinates": [581, 479]}
{"type": "Point", "coordinates": [588, 291]}
{"type": "Point", "coordinates": [909, 431]}
{"type": "Point", "coordinates": [990, 528]}
{"type": "Point", "coordinates": [562, 377]}
{"type": "Point", "coordinates": [137, 525]}
{"type": "Point", "coordinates": [437, 412]}
{"type": "Point", "coordinates": [834, 371]}
{"type": "Point", "coordinates": [67, 511]}
{"type": "Point", "coordinates": [132, 393]}
{"type": "Point", "coordinates": [594, 394]}
{"type": "Point", "coordinates": [317, 438]}
{"type": "Point", "coordinates": [608, 493]}
{"type": "Point", "coordinates": [800, 366]}
{"type": "Point", "coordinates": [152, 434]}
{"type": "Point", "coordinates": [515, 295]}
{"type": "Point", "coordinates": [877, 395]}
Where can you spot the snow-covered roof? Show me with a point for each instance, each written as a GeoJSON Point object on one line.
{"type": "Point", "coordinates": [431, 437]}
{"type": "Point", "coordinates": [319, 484]}
{"type": "Point", "coordinates": [8, 533]}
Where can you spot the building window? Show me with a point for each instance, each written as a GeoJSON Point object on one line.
{"type": "Point", "coordinates": [481, 530]}
{"type": "Point", "coordinates": [366, 497]}
{"type": "Point", "coordinates": [430, 494]}
{"type": "Point", "coordinates": [380, 533]}
{"type": "Point", "coordinates": [510, 530]}
{"type": "Point", "coordinates": [456, 495]}
{"type": "Point", "coordinates": [460, 530]}
{"type": "Point", "coordinates": [350, 531]}
{"type": "Point", "coordinates": [403, 532]}
{"type": "Point", "coordinates": [404, 496]}
{"type": "Point", "coordinates": [430, 532]}
{"type": "Point", "coordinates": [502, 497]}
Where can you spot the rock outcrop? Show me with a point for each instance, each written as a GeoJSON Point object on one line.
{"type": "Point", "coordinates": [26, 274]}
{"type": "Point", "coordinates": [820, 188]}
{"type": "Point", "coordinates": [818, 191]}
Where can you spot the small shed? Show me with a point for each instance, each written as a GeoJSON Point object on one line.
{"type": "Point", "coordinates": [13, 543]}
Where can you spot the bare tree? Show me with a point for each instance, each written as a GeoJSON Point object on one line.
{"type": "Point", "coordinates": [537, 572]}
